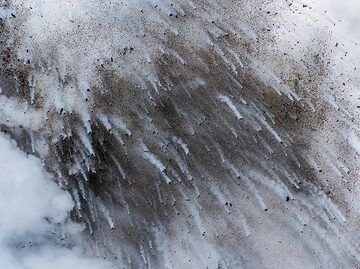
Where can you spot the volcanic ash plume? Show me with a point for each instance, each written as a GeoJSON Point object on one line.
{"type": "Point", "coordinates": [186, 134]}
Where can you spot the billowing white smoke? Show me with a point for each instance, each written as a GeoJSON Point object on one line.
{"type": "Point", "coordinates": [33, 212]}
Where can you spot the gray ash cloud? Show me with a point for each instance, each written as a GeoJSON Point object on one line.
{"type": "Point", "coordinates": [185, 132]}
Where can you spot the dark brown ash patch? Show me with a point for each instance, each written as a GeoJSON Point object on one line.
{"type": "Point", "coordinates": [175, 114]}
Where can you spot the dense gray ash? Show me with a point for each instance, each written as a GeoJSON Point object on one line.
{"type": "Point", "coordinates": [183, 132]}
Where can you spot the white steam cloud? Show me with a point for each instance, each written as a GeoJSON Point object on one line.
{"type": "Point", "coordinates": [35, 232]}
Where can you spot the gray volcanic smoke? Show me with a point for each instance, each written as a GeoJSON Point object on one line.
{"type": "Point", "coordinates": [187, 134]}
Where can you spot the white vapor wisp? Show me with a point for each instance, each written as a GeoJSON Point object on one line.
{"type": "Point", "coordinates": [34, 226]}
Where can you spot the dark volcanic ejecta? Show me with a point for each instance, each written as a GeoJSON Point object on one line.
{"type": "Point", "coordinates": [195, 134]}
